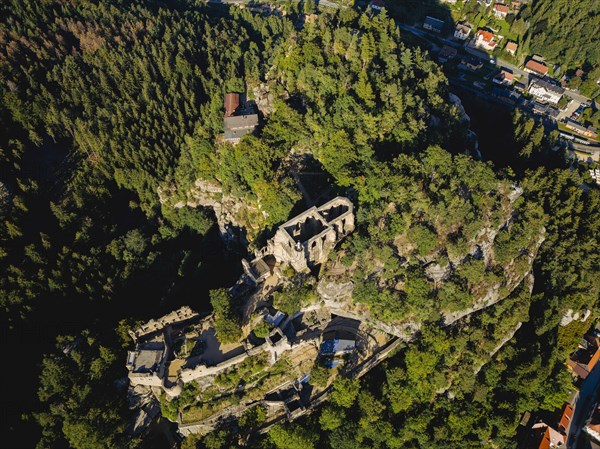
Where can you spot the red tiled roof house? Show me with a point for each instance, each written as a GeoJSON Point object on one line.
{"type": "Point", "coordinates": [511, 48]}
{"type": "Point", "coordinates": [485, 39]}
{"type": "Point", "coordinates": [501, 10]}
{"type": "Point", "coordinates": [536, 67]}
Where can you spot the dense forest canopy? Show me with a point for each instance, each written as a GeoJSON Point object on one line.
{"type": "Point", "coordinates": [106, 104]}
{"type": "Point", "coordinates": [567, 32]}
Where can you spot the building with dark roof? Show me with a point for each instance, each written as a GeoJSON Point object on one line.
{"type": "Point", "coordinates": [593, 426]}
{"type": "Point", "coordinates": [580, 129]}
{"type": "Point", "coordinates": [583, 360]}
{"type": "Point", "coordinates": [471, 62]}
{"type": "Point", "coordinates": [447, 53]}
{"type": "Point", "coordinates": [545, 92]}
{"type": "Point", "coordinates": [239, 118]}
{"type": "Point", "coordinates": [238, 126]}
{"type": "Point", "coordinates": [433, 24]}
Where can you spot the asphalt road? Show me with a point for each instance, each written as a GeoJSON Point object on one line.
{"type": "Point", "coordinates": [584, 406]}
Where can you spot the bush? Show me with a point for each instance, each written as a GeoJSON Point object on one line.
{"type": "Point", "coordinates": [262, 329]}
{"type": "Point", "coordinates": [345, 391]}
{"type": "Point", "coordinates": [424, 238]}
{"type": "Point", "coordinates": [292, 300]}
{"type": "Point", "coordinates": [227, 322]}
{"type": "Point", "coordinates": [319, 375]}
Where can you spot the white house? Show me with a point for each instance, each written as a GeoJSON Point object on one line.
{"type": "Point", "coordinates": [504, 77]}
{"type": "Point", "coordinates": [546, 92]}
{"type": "Point", "coordinates": [462, 31]}
{"type": "Point", "coordinates": [485, 39]}
{"type": "Point", "coordinates": [501, 10]}
{"type": "Point", "coordinates": [511, 48]}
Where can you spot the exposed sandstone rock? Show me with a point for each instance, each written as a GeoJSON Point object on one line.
{"type": "Point", "coordinates": [264, 98]}
{"type": "Point", "coordinates": [333, 291]}
{"type": "Point", "coordinates": [436, 272]}
{"type": "Point", "coordinates": [571, 316]}
{"type": "Point", "coordinates": [231, 212]}
{"type": "Point", "coordinates": [4, 194]}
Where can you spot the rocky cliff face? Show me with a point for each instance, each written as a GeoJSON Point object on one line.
{"type": "Point", "coordinates": [336, 287]}
{"type": "Point", "coordinates": [234, 216]}
{"type": "Point", "coordinates": [498, 291]}
{"type": "Point", "coordinates": [4, 194]}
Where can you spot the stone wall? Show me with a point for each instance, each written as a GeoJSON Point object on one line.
{"type": "Point", "coordinates": [307, 239]}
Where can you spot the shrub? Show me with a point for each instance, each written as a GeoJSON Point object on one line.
{"type": "Point", "coordinates": [424, 238]}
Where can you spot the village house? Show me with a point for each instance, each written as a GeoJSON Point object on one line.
{"type": "Point", "coordinates": [501, 10]}
{"type": "Point", "coordinates": [471, 62]}
{"type": "Point", "coordinates": [511, 48]}
{"type": "Point", "coordinates": [545, 437]}
{"type": "Point", "coordinates": [536, 67]}
{"type": "Point", "coordinates": [452, 2]}
{"type": "Point", "coordinates": [583, 360]}
{"type": "Point", "coordinates": [485, 39]}
{"type": "Point", "coordinates": [519, 87]}
{"type": "Point", "coordinates": [546, 92]}
{"type": "Point", "coordinates": [485, 2]}
{"type": "Point", "coordinates": [544, 110]}
{"type": "Point", "coordinates": [377, 5]}
{"type": "Point", "coordinates": [447, 53]}
{"type": "Point", "coordinates": [593, 427]}
{"type": "Point", "coordinates": [462, 31]}
{"type": "Point", "coordinates": [580, 129]}
{"type": "Point", "coordinates": [239, 119]}
{"type": "Point", "coordinates": [504, 77]}
{"type": "Point", "coordinates": [433, 24]}
{"type": "Point", "coordinates": [565, 418]}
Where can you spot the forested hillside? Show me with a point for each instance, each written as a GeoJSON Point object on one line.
{"type": "Point", "coordinates": [111, 114]}
{"type": "Point", "coordinates": [106, 108]}
{"type": "Point", "coordinates": [567, 33]}
{"type": "Point", "coordinates": [355, 95]}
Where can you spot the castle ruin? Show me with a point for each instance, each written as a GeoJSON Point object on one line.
{"type": "Point", "coordinates": [182, 349]}
{"type": "Point", "coordinates": [306, 240]}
